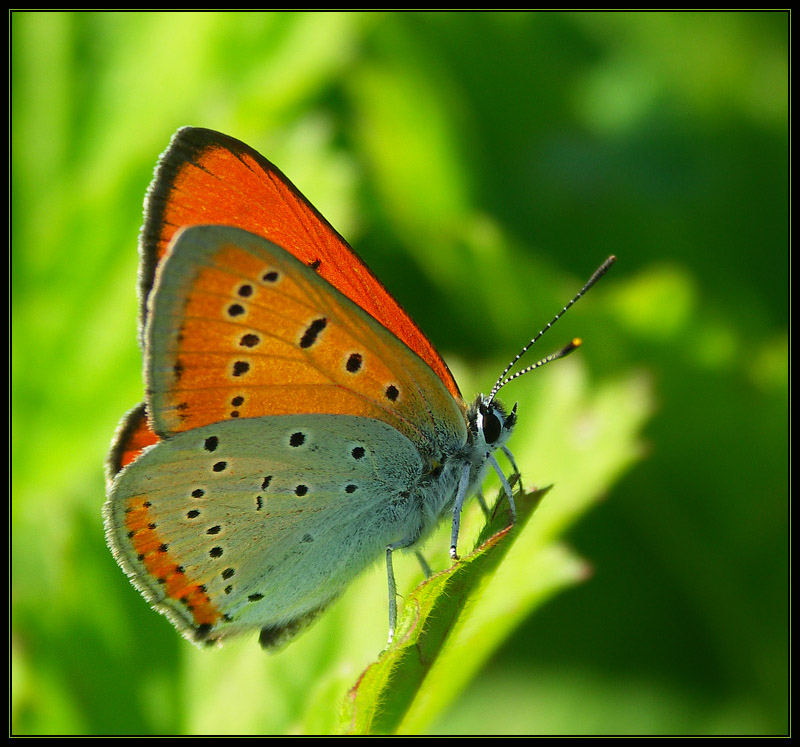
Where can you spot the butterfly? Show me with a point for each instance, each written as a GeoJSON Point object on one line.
{"type": "Point", "coordinates": [297, 424]}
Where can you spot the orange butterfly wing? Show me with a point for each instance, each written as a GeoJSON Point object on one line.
{"type": "Point", "coordinates": [205, 177]}
{"type": "Point", "coordinates": [241, 329]}
{"type": "Point", "coordinates": [133, 434]}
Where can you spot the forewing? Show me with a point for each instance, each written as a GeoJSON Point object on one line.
{"type": "Point", "coordinates": [239, 328]}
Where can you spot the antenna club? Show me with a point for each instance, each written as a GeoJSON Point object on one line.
{"type": "Point", "coordinates": [570, 347]}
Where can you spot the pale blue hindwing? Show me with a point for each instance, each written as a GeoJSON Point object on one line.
{"type": "Point", "coordinates": [295, 506]}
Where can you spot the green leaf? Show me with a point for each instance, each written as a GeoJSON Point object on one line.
{"type": "Point", "coordinates": [433, 621]}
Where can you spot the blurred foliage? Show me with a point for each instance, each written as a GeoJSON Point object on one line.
{"type": "Point", "coordinates": [483, 164]}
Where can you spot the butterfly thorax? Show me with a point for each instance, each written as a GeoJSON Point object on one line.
{"type": "Point", "coordinates": [489, 426]}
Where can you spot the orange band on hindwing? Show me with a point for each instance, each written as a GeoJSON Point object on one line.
{"type": "Point", "coordinates": [153, 553]}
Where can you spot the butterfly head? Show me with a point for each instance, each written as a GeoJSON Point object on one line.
{"type": "Point", "coordinates": [490, 424]}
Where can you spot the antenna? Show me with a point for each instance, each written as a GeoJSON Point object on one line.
{"type": "Point", "coordinates": [566, 350]}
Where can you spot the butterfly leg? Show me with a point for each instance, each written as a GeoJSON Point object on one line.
{"type": "Point", "coordinates": [426, 569]}
{"type": "Point", "coordinates": [463, 484]}
{"type": "Point", "coordinates": [506, 487]}
{"type": "Point", "coordinates": [517, 473]}
{"type": "Point", "coordinates": [399, 545]}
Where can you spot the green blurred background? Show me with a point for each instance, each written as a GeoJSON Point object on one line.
{"type": "Point", "coordinates": [483, 164]}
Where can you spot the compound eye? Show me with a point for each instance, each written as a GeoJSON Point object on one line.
{"type": "Point", "coordinates": [492, 426]}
